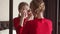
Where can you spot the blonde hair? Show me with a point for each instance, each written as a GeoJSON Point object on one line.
{"type": "Point", "coordinates": [21, 5]}
{"type": "Point", "coordinates": [36, 4]}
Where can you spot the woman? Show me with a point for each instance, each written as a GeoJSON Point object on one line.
{"type": "Point", "coordinates": [40, 24]}
{"type": "Point", "coordinates": [25, 15]}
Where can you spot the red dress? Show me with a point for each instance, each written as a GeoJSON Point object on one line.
{"type": "Point", "coordinates": [38, 26]}
{"type": "Point", "coordinates": [18, 28]}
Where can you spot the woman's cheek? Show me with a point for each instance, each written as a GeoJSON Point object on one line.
{"type": "Point", "coordinates": [29, 13]}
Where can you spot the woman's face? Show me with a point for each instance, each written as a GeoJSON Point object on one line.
{"type": "Point", "coordinates": [25, 10]}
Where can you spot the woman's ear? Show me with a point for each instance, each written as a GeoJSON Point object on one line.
{"type": "Point", "coordinates": [19, 14]}
{"type": "Point", "coordinates": [42, 6]}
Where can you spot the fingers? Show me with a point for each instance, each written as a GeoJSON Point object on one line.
{"type": "Point", "coordinates": [24, 13]}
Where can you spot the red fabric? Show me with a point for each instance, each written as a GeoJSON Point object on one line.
{"type": "Point", "coordinates": [18, 28]}
{"type": "Point", "coordinates": [38, 26]}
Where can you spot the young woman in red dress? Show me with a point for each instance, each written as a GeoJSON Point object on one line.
{"type": "Point", "coordinates": [24, 15]}
{"type": "Point", "coordinates": [40, 24]}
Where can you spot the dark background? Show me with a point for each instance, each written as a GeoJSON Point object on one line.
{"type": "Point", "coordinates": [51, 13]}
{"type": "Point", "coordinates": [59, 20]}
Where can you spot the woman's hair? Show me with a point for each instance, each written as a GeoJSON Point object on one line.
{"type": "Point", "coordinates": [21, 5]}
{"type": "Point", "coordinates": [35, 4]}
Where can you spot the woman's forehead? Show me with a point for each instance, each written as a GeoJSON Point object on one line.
{"type": "Point", "coordinates": [26, 7]}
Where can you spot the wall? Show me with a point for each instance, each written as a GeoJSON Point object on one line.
{"type": "Point", "coordinates": [4, 10]}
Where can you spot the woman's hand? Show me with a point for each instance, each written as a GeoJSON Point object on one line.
{"type": "Point", "coordinates": [23, 16]}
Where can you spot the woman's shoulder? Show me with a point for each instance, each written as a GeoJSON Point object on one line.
{"type": "Point", "coordinates": [16, 18]}
{"type": "Point", "coordinates": [48, 21]}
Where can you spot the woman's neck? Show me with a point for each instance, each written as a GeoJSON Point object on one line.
{"type": "Point", "coordinates": [40, 15]}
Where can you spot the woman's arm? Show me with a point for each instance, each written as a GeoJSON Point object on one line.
{"type": "Point", "coordinates": [21, 21]}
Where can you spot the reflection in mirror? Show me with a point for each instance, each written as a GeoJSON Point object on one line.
{"type": "Point", "coordinates": [16, 11]}
{"type": "Point", "coordinates": [4, 16]}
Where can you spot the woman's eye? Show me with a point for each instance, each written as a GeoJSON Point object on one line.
{"type": "Point", "coordinates": [28, 11]}
{"type": "Point", "coordinates": [23, 9]}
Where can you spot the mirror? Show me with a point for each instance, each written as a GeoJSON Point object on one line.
{"type": "Point", "coordinates": [15, 9]}
{"type": "Point", "coordinates": [50, 12]}
{"type": "Point", "coordinates": [4, 14]}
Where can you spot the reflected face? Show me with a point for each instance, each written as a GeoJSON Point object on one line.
{"type": "Point", "coordinates": [26, 10]}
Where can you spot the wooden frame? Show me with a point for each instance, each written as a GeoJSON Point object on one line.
{"type": "Point", "coordinates": [10, 16]}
